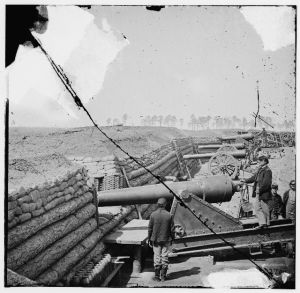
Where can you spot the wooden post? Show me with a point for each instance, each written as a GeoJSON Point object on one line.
{"type": "Point", "coordinates": [128, 184]}
{"type": "Point", "coordinates": [95, 202]}
{"type": "Point", "coordinates": [137, 260]}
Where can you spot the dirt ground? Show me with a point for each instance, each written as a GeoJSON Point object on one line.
{"type": "Point", "coordinates": [40, 154]}
{"type": "Point", "coordinates": [196, 271]}
{"type": "Point", "coordinates": [88, 141]}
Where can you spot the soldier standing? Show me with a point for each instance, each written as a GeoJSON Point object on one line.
{"type": "Point", "coordinates": [262, 180]}
{"type": "Point", "coordinates": [275, 204]}
{"type": "Point", "coordinates": [289, 202]}
{"type": "Point", "coordinates": [160, 235]}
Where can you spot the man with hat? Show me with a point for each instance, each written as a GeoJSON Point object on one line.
{"type": "Point", "coordinates": [160, 235]}
{"type": "Point", "coordinates": [262, 180]}
{"type": "Point", "coordinates": [275, 204]}
{"type": "Point", "coordinates": [289, 202]}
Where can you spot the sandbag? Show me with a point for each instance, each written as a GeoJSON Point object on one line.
{"type": "Point", "coordinates": [45, 237]}
{"type": "Point", "coordinates": [45, 259]}
{"type": "Point", "coordinates": [69, 260]}
{"type": "Point", "coordinates": [21, 232]}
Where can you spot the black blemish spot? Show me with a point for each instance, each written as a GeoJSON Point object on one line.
{"type": "Point", "coordinates": [155, 7]}
{"type": "Point", "coordinates": [85, 6]}
{"type": "Point", "coordinates": [19, 20]}
{"type": "Point", "coordinates": [124, 36]}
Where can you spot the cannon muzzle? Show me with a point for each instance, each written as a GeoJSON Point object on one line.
{"type": "Point", "coordinates": [212, 189]}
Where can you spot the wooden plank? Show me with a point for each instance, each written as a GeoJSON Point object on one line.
{"type": "Point", "coordinates": [136, 224]}
{"type": "Point", "coordinates": [133, 237]}
{"type": "Point", "coordinates": [117, 266]}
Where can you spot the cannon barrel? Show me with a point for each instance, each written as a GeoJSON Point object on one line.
{"type": "Point", "coordinates": [213, 189]}
{"type": "Point", "coordinates": [245, 136]}
{"type": "Point", "coordinates": [235, 154]}
{"type": "Point", "coordinates": [217, 146]}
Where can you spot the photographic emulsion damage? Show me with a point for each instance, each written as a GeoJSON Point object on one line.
{"type": "Point", "coordinates": [150, 146]}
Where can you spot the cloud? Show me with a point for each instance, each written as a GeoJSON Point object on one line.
{"type": "Point", "coordinates": [275, 25]}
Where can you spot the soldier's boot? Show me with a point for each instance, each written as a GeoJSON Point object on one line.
{"type": "Point", "coordinates": [163, 273]}
{"type": "Point", "coordinates": [157, 270]}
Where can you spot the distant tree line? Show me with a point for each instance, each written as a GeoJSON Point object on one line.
{"type": "Point", "coordinates": [205, 122]}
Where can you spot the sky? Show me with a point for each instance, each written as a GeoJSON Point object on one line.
{"type": "Point", "coordinates": [182, 60]}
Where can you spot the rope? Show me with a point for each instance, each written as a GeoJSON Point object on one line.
{"type": "Point", "coordinates": [78, 102]}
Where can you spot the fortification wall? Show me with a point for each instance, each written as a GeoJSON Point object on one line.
{"type": "Point", "coordinates": [52, 227]}
{"type": "Point", "coordinates": [55, 229]}
{"type": "Point", "coordinates": [166, 160]}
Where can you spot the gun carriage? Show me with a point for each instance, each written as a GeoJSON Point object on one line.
{"type": "Point", "coordinates": [194, 235]}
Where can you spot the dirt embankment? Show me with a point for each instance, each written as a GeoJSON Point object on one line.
{"type": "Point", "coordinates": [283, 167]}
{"type": "Point", "coordinates": [40, 154]}
{"type": "Point", "coordinates": [88, 141]}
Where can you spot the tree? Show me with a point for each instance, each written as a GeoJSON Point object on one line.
{"type": "Point", "coordinates": [154, 119]}
{"type": "Point", "coordinates": [208, 119]}
{"type": "Point", "coordinates": [193, 122]}
{"type": "Point", "coordinates": [116, 121]}
{"type": "Point", "coordinates": [199, 122]}
{"type": "Point", "coordinates": [108, 121]}
{"type": "Point", "coordinates": [227, 122]}
{"type": "Point", "coordinates": [124, 118]}
{"type": "Point", "coordinates": [160, 119]}
{"type": "Point", "coordinates": [238, 123]}
{"type": "Point", "coordinates": [167, 120]}
{"type": "Point", "coordinates": [143, 122]}
{"type": "Point", "coordinates": [148, 120]}
{"type": "Point", "coordinates": [234, 121]}
{"type": "Point", "coordinates": [181, 121]}
{"type": "Point", "coordinates": [244, 123]}
{"type": "Point", "coordinates": [173, 120]}
{"type": "Point", "coordinates": [219, 122]}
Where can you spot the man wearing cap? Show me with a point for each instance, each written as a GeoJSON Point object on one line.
{"type": "Point", "coordinates": [289, 202]}
{"type": "Point", "coordinates": [160, 235]}
{"type": "Point", "coordinates": [262, 180]}
{"type": "Point", "coordinates": [275, 204]}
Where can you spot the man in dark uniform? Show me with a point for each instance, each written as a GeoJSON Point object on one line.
{"type": "Point", "coordinates": [160, 235]}
{"type": "Point", "coordinates": [275, 204]}
{"type": "Point", "coordinates": [262, 180]}
{"type": "Point", "coordinates": [289, 202]}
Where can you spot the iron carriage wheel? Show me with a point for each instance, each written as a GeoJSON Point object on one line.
{"type": "Point", "coordinates": [223, 163]}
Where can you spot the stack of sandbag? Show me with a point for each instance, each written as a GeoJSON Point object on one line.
{"type": "Point", "coordinates": [44, 246]}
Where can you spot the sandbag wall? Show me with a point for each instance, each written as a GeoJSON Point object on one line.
{"type": "Point", "coordinates": [97, 167]}
{"type": "Point", "coordinates": [162, 161]}
{"type": "Point", "coordinates": [52, 227]}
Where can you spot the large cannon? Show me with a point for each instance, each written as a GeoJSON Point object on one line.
{"type": "Point", "coordinates": [213, 189]}
{"type": "Point", "coordinates": [208, 148]}
{"type": "Point", "coordinates": [245, 136]}
{"type": "Point", "coordinates": [207, 156]}
{"type": "Point", "coordinates": [191, 225]}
